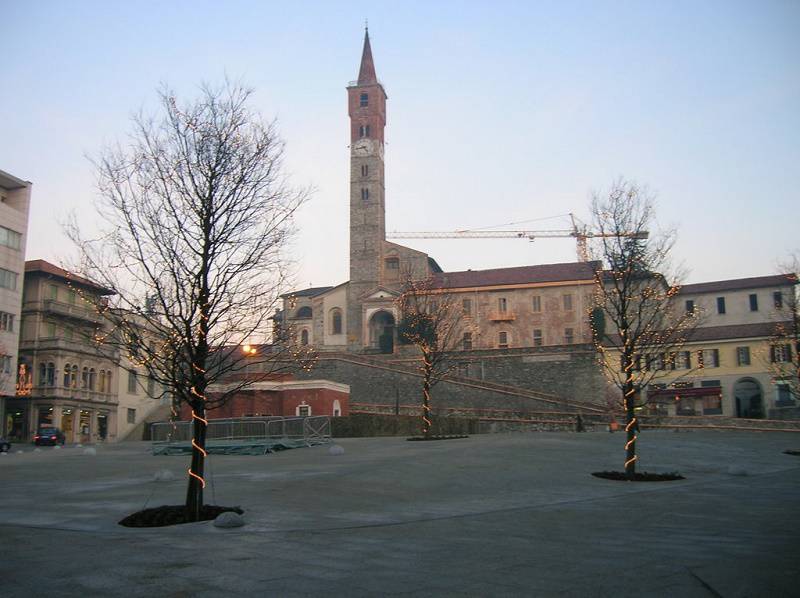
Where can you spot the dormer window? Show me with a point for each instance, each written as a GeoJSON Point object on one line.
{"type": "Point", "coordinates": [364, 100]}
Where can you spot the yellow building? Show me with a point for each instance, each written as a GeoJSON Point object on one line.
{"type": "Point", "coordinates": [724, 369]}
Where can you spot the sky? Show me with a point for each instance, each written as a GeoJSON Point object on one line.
{"type": "Point", "coordinates": [499, 113]}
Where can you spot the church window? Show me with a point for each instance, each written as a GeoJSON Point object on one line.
{"type": "Point", "coordinates": [567, 302]}
{"type": "Point", "coordinates": [364, 193]}
{"type": "Point", "coordinates": [336, 321]}
{"type": "Point", "coordinates": [502, 340]}
{"type": "Point", "coordinates": [364, 170]}
{"type": "Point", "coordinates": [304, 312]}
{"type": "Point", "coordinates": [502, 305]}
{"type": "Point", "coordinates": [363, 131]}
{"type": "Point", "coordinates": [466, 306]}
{"type": "Point", "coordinates": [364, 100]}
{"type": "Point", "coordinates": [304, 337]}
{"type": "Point", "coordinates": [392, 263]}
{"type": "Point", "coordinates": [537, 304]}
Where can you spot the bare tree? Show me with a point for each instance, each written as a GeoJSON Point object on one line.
{"type": "Point", "coordinates": [783, 357]}
{"type": "Point", "coordinates": [197, 214]}
{"type": "Point", "coordinates": [636, 290]}
{"type": "Point", "coordinates": [429, 321]}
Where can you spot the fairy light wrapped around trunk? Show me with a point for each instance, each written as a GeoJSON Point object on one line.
{"type": "Point", "coordinates": [636, 319]}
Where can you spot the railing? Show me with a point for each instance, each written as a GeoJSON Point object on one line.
{"type": "Point", "coordinates": [64, 309]}
{"type": "Point", "coordinates": [79, 344]}
{"type": "Point", "coordinates": [310, 430]}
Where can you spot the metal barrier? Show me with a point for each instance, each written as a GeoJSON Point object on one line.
{"type": "Point", "coordinates": [308, 431]}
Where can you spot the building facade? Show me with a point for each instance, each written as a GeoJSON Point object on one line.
{"type": "Point", "coordinates": [15, 197]}
{"type": "Point", "coordinates": [92, 395]}
{"type": "Point", "coordinates": [725, 368]}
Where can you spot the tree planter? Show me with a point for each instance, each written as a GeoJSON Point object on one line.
{"type": "Point", "coordinates": [172, 515]}
{"type": "Point", "coordinates": [620, 476]}
{"type": "Point", "coordinates": [414, 438]}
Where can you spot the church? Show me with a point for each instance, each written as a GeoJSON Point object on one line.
{"type": "Point", "coordinates": [531, 306]}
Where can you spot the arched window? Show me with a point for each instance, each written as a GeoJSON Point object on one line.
{"type": "Point", "coordinates": [73, 377]}
{"type": "Point", "coordinates": [102, 380]}
{"type": "Point", "coordinates": [304, 337]}
{"type": "Point", "coordinates": [67, 371]}
{"type": "Point", "coordinates": [108, 381]}
{"type": "Point", "coordinates": [42, 374]}
{"type": "Point", "coordinates": [51, 374]}
{"type": "Point", "coordinates": [336, 321]}
{"type": "Point", "coordinates": [304, 312]}
{"type": "Point", "coordinates": [363, 131]}
{"type": "Point", "coordinates": [85, 377]}
{"type": "Point", "coordinates": [92, 378]}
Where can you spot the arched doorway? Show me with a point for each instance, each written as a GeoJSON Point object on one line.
{"type": "Point", "coordinates": [381, 331]}
{"type": "Point", "coordinates": [749, 398]}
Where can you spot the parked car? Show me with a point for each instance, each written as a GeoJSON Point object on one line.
{"type": "Point", "coordinates": [5, 445]}
{"type": "Point", "coordinates": [50, 436]}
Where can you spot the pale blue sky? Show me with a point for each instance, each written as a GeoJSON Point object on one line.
{"type": "Point", "coordinates": [498, 112]}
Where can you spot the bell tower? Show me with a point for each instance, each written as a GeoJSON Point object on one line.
{"type": "Point", "coordinates": [366, 105]}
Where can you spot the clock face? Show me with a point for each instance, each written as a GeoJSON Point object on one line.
{"type": "Point", "coordinates": [362, 147]}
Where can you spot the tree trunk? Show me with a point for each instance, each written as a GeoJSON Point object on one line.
{"type": "Point", "coordinates": [194, 493]}
{"type": "Point", "coordinates": [631, 428]}
{"type": "Point", "coordinates": [426, 400]}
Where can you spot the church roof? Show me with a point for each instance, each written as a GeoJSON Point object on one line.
{"type": "Point", "coordinates": [366, 74]}
{"type": "Point", "coordinates": [520, 275]}
{"type": "Point", "coordinates": [309, 292]}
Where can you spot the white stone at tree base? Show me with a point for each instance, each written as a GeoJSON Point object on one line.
{"type": "Point", "coordinates": [737, 470]}
{"type": "Point", "coordinates": [57, 447]}
{"type": "Point", "coordinates": [163, 475]}
{"type": "Point", "coordinates": [336, 450]}
{"type": "Point", "coordinates": [229, 519]}
{"type": "Point", "coordinates": [90, 451]}
{"type": "Point", "coordinates": [37, 450]}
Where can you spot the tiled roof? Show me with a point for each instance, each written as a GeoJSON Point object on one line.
{"type": "Point", "coordinates": [711, 333]}
{"type": "Point", "coordinates": [721, 333]}
{"type": "Point", "coordinates": [757, 282]}
{"type": "Point", "coordinates": [309, 292]}
{"type": "Point", "coordinates": [520, 275]}
{"type": "Point", "coordinates": [45, 267]}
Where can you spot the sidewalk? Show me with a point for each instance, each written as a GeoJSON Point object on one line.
{"type": "Point", "coordinates": [492, 515]}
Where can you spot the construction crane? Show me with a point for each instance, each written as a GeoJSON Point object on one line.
{"type": "Point", "coordinates": [579, 232]}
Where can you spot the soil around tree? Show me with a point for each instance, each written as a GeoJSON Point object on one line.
{"type": "Point", "coordinates": [172, 515]}
{"type": "Point", "coordinates": [415, 438]}
{"type": "Point", "coordinates": [792, 452]}
{"type": "Point", "coordinates": [639, 476]}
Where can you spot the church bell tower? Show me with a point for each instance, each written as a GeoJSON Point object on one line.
{"type": "Point", "coordinates": [366, 102]}
{"type": "Point", "coordinates": [366, 105]}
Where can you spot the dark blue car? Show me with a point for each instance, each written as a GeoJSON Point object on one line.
{"type": "Point", "coordinates": [50, 436]}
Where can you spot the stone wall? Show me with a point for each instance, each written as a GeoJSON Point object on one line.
{"type": "Point", "coordinates": [520, 380]}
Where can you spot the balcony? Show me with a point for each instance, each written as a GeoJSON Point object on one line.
{"type": "Point", "coordinates": [502, 316]}
{"type": "Point", "coordinates": [78, 394]}
{"type": "Point", "coordinates": [65, 310]}
{"type": "Point", "coordinates": [79, 345]}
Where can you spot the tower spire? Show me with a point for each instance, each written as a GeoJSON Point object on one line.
{"type": "Point", "coordinates": [366, 74]}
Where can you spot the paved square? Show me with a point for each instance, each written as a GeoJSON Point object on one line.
{"type": "Point", "coordinates": [492, 515]}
